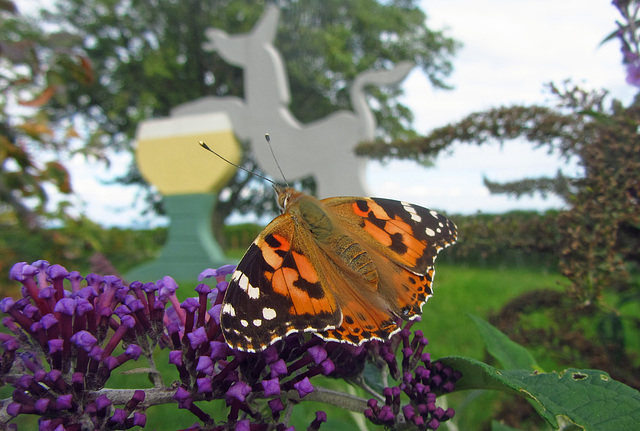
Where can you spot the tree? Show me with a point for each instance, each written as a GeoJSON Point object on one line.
{"type": "Point", "coordinates": [149, 58]}
{"type": "Point", "coordinates": [600, 230]}
{"type": "Point", "coordinates": [36, 69]}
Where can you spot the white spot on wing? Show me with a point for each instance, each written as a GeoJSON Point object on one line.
{"type": "Point", "coordinates": [429, 232]}
{"type": "Point", "coordinates": [412, 211]}
{"type": "Point", "coordinates": [243, 283]}
{"type": "Point", "coordinates": [228, 309]}
{"type": "Point", "coordinates": [236, 275]}
{"type": "Point", "coordinates": [269, 313]}
{"type": "Point", "coordinates": [244, 323]}
{"type": "Point", "coordinates": [253, 292]}
{"type": "Point", "coordinates": [257, 322]}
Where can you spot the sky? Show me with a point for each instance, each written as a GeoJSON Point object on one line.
{"type": "Point", "coordinates": [511, 49]}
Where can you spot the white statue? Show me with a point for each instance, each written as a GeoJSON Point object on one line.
{"type": "Point", "coordinates": [323, 148]}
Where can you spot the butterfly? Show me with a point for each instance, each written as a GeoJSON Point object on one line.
{"type": "Point", "coordinates": [343, 268]}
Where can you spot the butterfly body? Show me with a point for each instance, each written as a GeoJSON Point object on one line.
{"type": "Point", "coordinates": [345, 268]}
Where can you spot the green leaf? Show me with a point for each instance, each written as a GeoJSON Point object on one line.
{"type": "Point", "coordinates": [589, 399]}
{"type": "Point", "coordinates": [373, 377]}
{"type": "Point", "coordinates": [512, 356]}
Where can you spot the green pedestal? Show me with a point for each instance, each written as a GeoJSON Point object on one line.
{"type": "Point", "coordinates": [190, 246]}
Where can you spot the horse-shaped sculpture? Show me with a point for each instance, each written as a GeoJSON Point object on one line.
{"type": "Point", "coordinates": [324, 148]}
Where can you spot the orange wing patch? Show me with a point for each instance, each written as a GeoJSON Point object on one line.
{"type": "Point", "coordinates": [294, 277]}
{"type": "Point", "coordinates": [270, 250]}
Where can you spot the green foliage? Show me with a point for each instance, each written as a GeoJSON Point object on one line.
{"type": "Point", "coordinates": [36, 69]}
{"type": "Point", "coordinates": [589, 399]}
{"type": "Point", "coordinates": [238, 237]}
{"type": "Point", "coordinates": [509, 354]}
{"type": "Point", "coordinates": [497, 426]}
{"type": "Point", "coordinates": [80, 244]}
{"type": "Point", "coordinates": [516, 238]}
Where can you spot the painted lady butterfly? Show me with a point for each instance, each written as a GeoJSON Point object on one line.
{"type": "Point", "coordinates": [344, 268]}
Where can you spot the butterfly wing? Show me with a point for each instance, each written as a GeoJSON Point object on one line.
{"type": "Point", "coordinates": [410, 235]}
{"type": "Point", "coordinates": [402, 240]}
{"type": "Point", "coordinates": [277, 290]}
{"type": "Point", "coordinates": [349, 285]}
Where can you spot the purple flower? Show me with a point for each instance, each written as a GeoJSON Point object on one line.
{"type": "Point", "coordinates": [64, 402]}
{"type": "Point", "coordinates": [276, 405]}
{"type": "Point", "coordinates": [214, 312]}
{"type": "Point", "coordinates": [83, 306]}
{"type": "Point", "coordinates": [205, 365]}
{"type": "Point", "coordinates": [202, 288]}
{"type": "Point", "coordinates": [198, 337]}
{"type": "Point", "coordinates": [321, 417]}
{"type": "Point", "coordinates": [243, 425]}
{"type": "Point", "coordinates": [15, 273]}
{"type": "Point", "coordinates": [7, 304]}
{"type": "Point", "coordinates": [14, 409]}
{"type": "Point", "coordinates": [181, 394]}
{"type": "Point", "coordinates": [204, 384]}
{"type": "Point", "coordinates": [84, 340]}
{"type": "Point", "coordinates": [102, 402]}
{"type": "Point", "coordinates": [219, 272]}
{"type": "Point", "coordinates": [318, 353]}
{"type": "Point", "coordinates": [75, 278]}
{"type": "Point", "coordinates": [56, 271]}
{"type": "Point", "coordinates": [168, 286]}
{"type": "Point", "coordinates": [42, 405]}
{"type": "Point", "coordinates": [279, 368]}
{"type": "Point", "coordinates": [328, 367]}
{"type": "Point", "coordinates": [119, 416]}
{"type": "Point", "coordinates": [111, 363]}
{"type": "Point", "coordinates": [221, 287]}
{"type": "Point", "coordinates": [303, 387]}
{"type": "Point", "coordinates": [633, 73]}
{"type": "Point", "coordinates": [66, 306]}
{"type": "Point", "coordinates": [139, 419]}
{"type": "Point", "coordinates": [239, 391]}
{"type": "Point", "coordinates": [190, 304]}
{"type": "Point", "coordinates": [271, 387]}
{"type": "Point", "coordinates": [76, 334]}
{"type": "Point", "coordinates": [55, 345]}
{"type": "Point", "coordinates": [219, 349]}
{"type": "Point", "coordinates": [48, 321]}
{"type": "Point", "coordinates": [175, 357]}
{"type": "Point", "coordinates": [133, 351]}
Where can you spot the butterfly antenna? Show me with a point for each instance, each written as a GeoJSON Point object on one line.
{"type": "Point", "coordinates": [268, 138]}
{"type": "Point", "coordinates": [206, 147]}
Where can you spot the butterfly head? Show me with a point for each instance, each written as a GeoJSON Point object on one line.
{"type": "Point", "coordinates": [286, 196]}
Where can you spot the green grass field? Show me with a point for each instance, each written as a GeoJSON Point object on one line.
{"type": "Point", "coordinates": [460, 291]}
